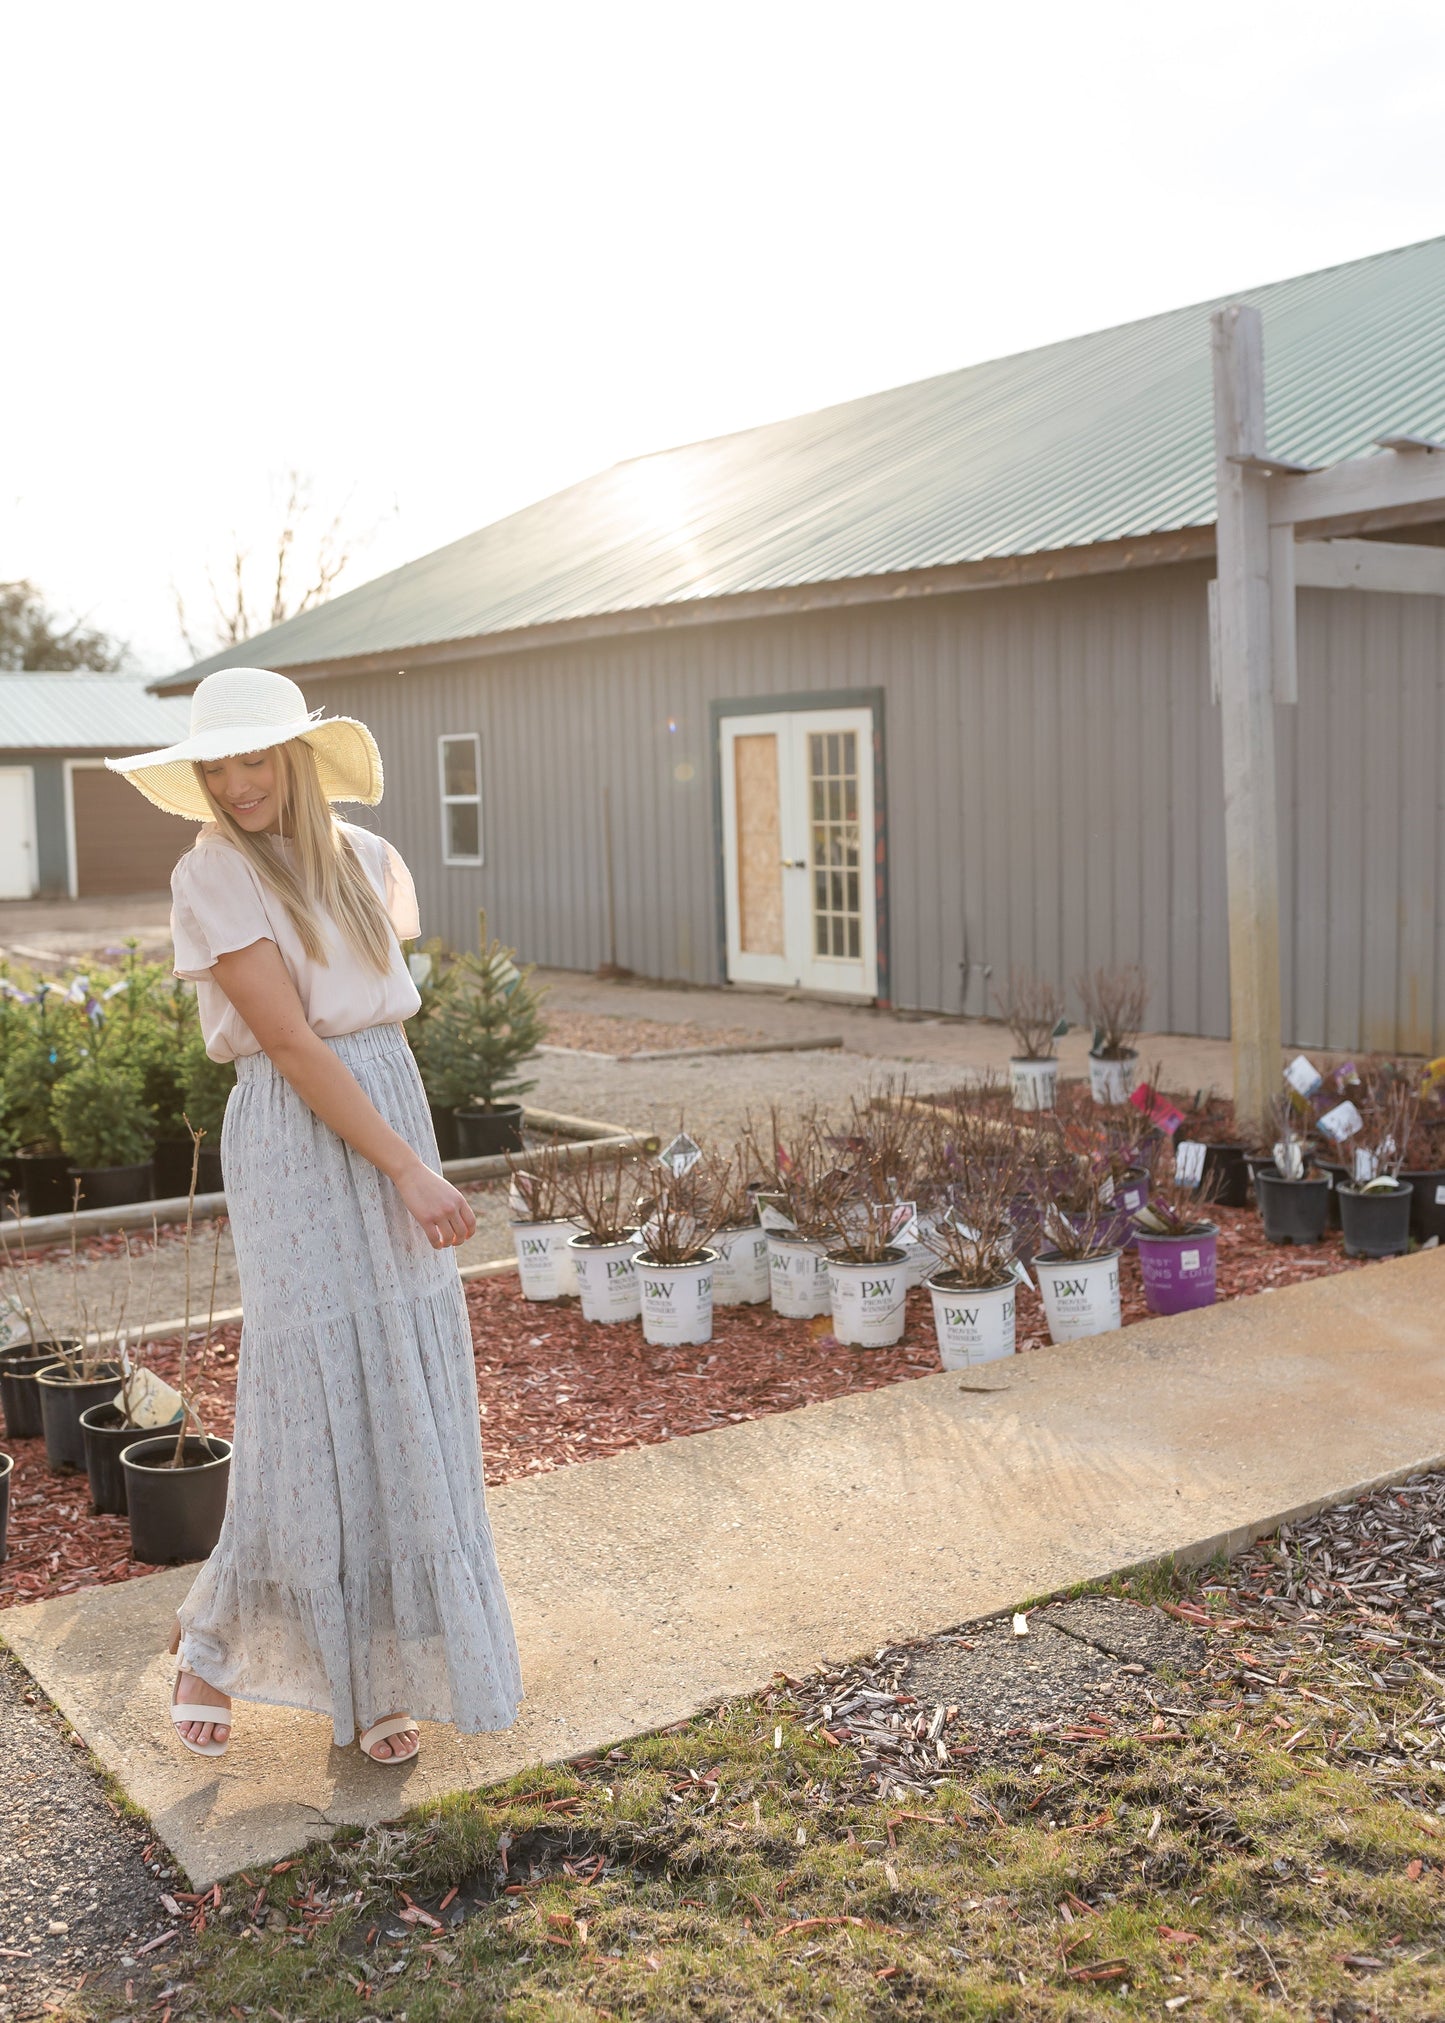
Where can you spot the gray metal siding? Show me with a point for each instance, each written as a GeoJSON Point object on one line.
{"type": "Point", "coordinates": [1054, 795]}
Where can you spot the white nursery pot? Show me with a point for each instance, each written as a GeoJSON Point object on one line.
{"type": "Point", "coordinates": [676, 1300]}
{"type": "Point", "coordinates": [607, 1278]}
{"type": "Point", "coordinates": [741, 1277]}
{"type": "Point", "coordinates": [1112, 1081]}
{"type": "Point", "coordinates": [1035, 1084]}
{"type": "Point", "coordinates": [544, 1260]}
{"type": "Point", "coordinates": [973, 1324]}
{"type": "Point", "coordinates": [798, 1273]}
{"type": "Point", "coordinates": [869, 1301]}
{"type": "Point", "coordinates": [1080, 1295]}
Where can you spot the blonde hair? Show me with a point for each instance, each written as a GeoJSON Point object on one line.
{"type": "Point", "coordinates": [324, 872]}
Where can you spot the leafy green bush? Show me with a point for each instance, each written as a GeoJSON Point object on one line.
{"type": "Point", "coordinates": [484, 1022]}
{"type": "Point", "coordinates": [100, 1115]}
{"type": "Point", "coordinates": [204, 1086]}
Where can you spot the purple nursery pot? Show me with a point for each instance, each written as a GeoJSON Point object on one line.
{"type": "Point", "coordinates": [1179, 1271]}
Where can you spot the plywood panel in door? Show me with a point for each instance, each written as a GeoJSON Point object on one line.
{"type": "Point", "coordinates": [759, 844]}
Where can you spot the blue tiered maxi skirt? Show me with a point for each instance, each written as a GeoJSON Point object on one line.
{"type": "Point", "coordinates": [355, 1572]}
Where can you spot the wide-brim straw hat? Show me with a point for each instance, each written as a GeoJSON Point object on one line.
{"type": "Point", "coordinates": [249, 709]}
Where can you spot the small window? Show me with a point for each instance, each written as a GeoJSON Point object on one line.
{"type": "Point", "coordinates": [460, 763]}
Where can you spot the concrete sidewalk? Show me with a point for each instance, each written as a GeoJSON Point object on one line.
{"type": "Point", "coordinates": [648, 1586]}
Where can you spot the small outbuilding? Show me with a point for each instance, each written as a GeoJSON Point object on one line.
{"type": "Point", "coordinates": [68, 828]}
{"type": "Point", "coordinates": [882, 700]}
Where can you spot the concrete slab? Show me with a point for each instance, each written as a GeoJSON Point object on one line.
{"type": "Point", "coordinates": [647, 1586]}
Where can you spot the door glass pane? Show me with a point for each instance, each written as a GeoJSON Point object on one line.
{"type": "Point", "coordinates": [759, 844]}
{"type": "Point", "coordinates": [836, 845]}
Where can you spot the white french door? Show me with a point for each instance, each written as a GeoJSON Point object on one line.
{"type": "Point", "coordinates": [797, 794]}
{"type": "Point", "coordinates": [18, 875]}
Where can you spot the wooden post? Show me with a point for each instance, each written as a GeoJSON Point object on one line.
{"type": "Point", "coordinates": [1246, 697]}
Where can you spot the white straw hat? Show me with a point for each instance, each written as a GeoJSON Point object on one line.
{"type": "Point", "coordinates": [249, 709]}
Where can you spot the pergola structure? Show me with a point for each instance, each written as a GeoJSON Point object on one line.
{"type": "Point", "coordinates": [1282, 526]}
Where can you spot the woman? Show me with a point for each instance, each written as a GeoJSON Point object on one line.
{"type": "Point", "coordinates": [355, 1572]}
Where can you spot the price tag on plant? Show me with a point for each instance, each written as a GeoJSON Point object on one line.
{"type": "Point", "coordinates": [681, 1155]}
{"type": "Point", "coordinates": [1160, 1111]}
{"type": "Point", "coordinates": [1189, 1162]}
{"type": "Point", "coordinates": [774, 1218]}
{"type": "Point", "coordinates": [1303, 1076]}
{"type": "Point", "coordinates": [1341, 1122]}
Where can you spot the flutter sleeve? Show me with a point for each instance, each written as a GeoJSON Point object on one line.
{"type": "Point", "coordinates": [215, 909]}
{"type": "Point", "coordinates": [400, 895]}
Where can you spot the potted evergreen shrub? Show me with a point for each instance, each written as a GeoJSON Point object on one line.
{"type": "Point", "coordinates": [1115, 1001]}
{"type": "Point", "coordinates": [104, 1126]}
{"type": "Point", "coordinates": [433, 978]}
{"type": "Point", "coordinates": [1033, 1011]}
{"type": "Point", "coordinates": [486, 1023]}
{"type": "Point", "coordinates": [206, 1087]}
{"type": "Point", "coordinates": [599, 1196]}
{"type": "Point", "coordinates": [39, 1052]}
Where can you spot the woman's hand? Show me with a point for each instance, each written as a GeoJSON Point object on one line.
{"type": "Point", "coordinates": [442, 1210]}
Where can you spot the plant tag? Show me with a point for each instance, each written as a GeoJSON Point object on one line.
{"type": "Point", "coordinates": [1059, 1030]}
{"type": "Point", "coordinates": [1440, 1197]}
{"type": "Point", "coordinates": [1303, 1076]}
{"type": "Point", "coordinates": [680, 1156]}
{"type": "Point", "coordinates": [1289, 1160]}
{"type": "Point", "coordinates": [1161, 1113]}
{"type": "Point", "coordinates": [1021, 1273]}
{"type": "Point", "coordinates": [774, 1218]}
{"type": "Point", "coordinates": [507, 975]}
{"type": "Point", "coordinates": [1189, 1162]}
{"type": "Point", "coordinates": [1189, 1260]}
{"type": "Point", "coordinates": [1366, 1165]}
{"type": "Point", "coordinates": [648, 1234]}
{"type": "Point", "coordinates": [420, 967]}
{"type": "Point", "coordinates": [1383, 1183]}
{"type": "Point", "coordinates": [152, 1400]}
{"type": "Point", "coordinates": [13, 1325]}
{"type": "Point", "coordinates": [1106, 1190]}
{"type": "Point", "coordinates": [903, 1227]}
{"type": "Point", "coordinates": [1341, 1122]}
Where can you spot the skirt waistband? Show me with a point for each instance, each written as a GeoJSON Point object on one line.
{"type": "Point", "coordinates": [369, 1044]}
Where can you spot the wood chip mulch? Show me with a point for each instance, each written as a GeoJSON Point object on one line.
{"type": "Point", "coordinates": [556, 1390]}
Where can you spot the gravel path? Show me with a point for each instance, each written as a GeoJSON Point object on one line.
{"type": "Point", "coordinates": [76, 1895]}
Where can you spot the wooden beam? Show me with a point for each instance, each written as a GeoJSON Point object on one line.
{"type": "Point", "coordinates": [1246, 683]}
{"type": "Point", "coordinates": [1282, 580]}
{"type": "Point", "coordinates": [1391, 482]}
{"type": "Point", "coordinates": [1395, 567]}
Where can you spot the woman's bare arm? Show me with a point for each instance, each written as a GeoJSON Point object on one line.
{"type": "Point", "coordinates": [259, 985]}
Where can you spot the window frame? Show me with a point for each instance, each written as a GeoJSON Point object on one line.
{"type": "Point", "coordinates": [474, 738]}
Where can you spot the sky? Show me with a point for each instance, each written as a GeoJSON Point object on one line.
{"type": "Point", "coordinates": [443, 260]}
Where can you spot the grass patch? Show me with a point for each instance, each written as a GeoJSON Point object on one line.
{"type": "Point", "coordinates": [740, 1868]}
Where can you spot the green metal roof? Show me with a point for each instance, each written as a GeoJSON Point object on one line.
{"type": "Point", "coordinates": [1094, 439]}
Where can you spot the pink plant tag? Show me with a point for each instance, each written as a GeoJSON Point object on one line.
{"type": "Point", "coordinates": [1159, 1110]}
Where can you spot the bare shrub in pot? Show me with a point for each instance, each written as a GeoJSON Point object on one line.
{"type": "Point", "coordinates": [599, 1197]}
{"type": "Point", "coordinates": [1115, 1002]}
{"type": "Point", "coordinates": [1078, 1266]}
{"type": "Point", "coordinates": [1177, 1242]}
{"type": "Point", "coordinates": [1375, 1204]}
{"type": "Point", "coordinates": [973, 1286]}
{"type": "Point", "coordinates": [542, 1230]}
{"type": "Point", "coordinates": [1032, 1007]}
{"type": "Point", "coordinates": [676, 1264]}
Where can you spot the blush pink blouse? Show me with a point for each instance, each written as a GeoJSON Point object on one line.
{"type": "Point", "coordinates": [218, 904]}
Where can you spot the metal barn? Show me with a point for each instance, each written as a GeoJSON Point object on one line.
{"type": "Point", "coordinates": [881, 700]}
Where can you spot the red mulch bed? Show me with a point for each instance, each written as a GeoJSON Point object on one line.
{"type": "Point", "coordinates": [557, 1390]}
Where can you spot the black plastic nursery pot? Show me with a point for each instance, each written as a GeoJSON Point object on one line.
{"type": "Point", "coordinates": [62, 1400]}
{"type": "Point", "coordinates": [19, 1392]}
{"type": "Point", "coordinates": [107, 1433]}
{"type": "Point", "coordinates": [1375, 1225]}
{"type": "Point", "coordinates": [1337, 1173]}
{"type": "Point", "coordinates": [175, 1513]}
{"type": "Point", "coordinates": [172, 1165]}
{"type": "Point", "coordinates": [1229, 1163]}
{"type": "Point", "coordinates": [45, 1179]}
{"type": "Point", "coordinates": [444, 1123]}
{"type": "Point", "coordinates": [1293, 1211]}
{"type": "Point", "coordinates": [114, 1186]}
{"type": "Point", "coordinates": [1427, 1206]}
{"type": "Point", "coordinates": [482, 1134]}
{"type": "Point", "coordinates": [7, 1469]}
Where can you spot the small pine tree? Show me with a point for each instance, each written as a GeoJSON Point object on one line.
{"type": "Point", "coordinates": [100, 1114]}
{"type": "Point", "coordinates": [485, 1022]}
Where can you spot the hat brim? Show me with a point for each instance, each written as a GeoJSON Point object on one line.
{"type": "Point", "coordinates": [348, 763]}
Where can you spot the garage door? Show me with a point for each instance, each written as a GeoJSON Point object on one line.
{"type": "Point", "coordinates": [123, 845]}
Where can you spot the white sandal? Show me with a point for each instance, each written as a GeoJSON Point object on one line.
{"type": "Point", "coordinates": [381, 1731]}
{"type": "Point", "coordinates": [183, 1712]}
